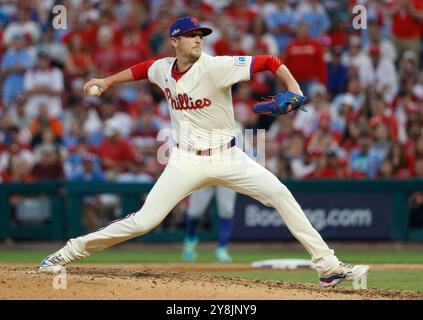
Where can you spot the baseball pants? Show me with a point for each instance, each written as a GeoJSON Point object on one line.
{"type": "Point", "coordinates": [187, 172]}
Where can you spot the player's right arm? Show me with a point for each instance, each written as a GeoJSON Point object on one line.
{"type": "Point", "coordinates": [134, 73]}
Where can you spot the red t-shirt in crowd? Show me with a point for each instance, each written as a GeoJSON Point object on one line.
{"type": "Point", "coordinates": [304, 58]}
{"type": "Point", "coordinates": [106, 59]}
{"type": "Point", "coordinates": [87, 35]}
{"type": "Point", "coordinates": [119, 151]}
{"type": "Point", "coordinates": [404, 25]}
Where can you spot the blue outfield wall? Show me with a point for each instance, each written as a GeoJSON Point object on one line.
{"type": "Point", "coordinates": [339, 210]}
{"type": "Point", "coordinates": [338, 216]}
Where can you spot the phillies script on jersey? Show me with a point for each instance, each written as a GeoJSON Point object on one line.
{"type": "Point", "coordinates": [186, 103]}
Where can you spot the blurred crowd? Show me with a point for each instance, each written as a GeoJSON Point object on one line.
{"type": "Point", "coordinates": [363, 121]}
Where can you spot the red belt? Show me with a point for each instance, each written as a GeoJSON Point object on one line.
{"type": "Point", "coordinates": [208, 152]}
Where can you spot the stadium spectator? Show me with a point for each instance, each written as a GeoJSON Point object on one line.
{"type": "Point", "coordinates": [337, 74]}
{"type": "Point", "coordinates": [240, 12]}
{"type": "Point", "coordinates": [363, 162]}
{"type": "Point", "coordinates": [306, 122]}
{"type": "Point", "coordinates": [84, 166]}
{"type": "Point", "coordinates": [407, 18]}
{"type": "Point", "coordinates": [379, 112]}
{"type": "Point", "coordinates": [323, 138]}
{"type": "Point", "coordinates": [229, 42]}
{"type": "Point", "coordinates": [82, 29]}
{"type": "Point", "coordinates": [386, 170]}
{"type": "Point", "coordinates": [83, 120]}
{"type": "Point", "coordinates": [282, 23]}
{"type": "Point", "coordinates": [22, 26]}
{"type": "Point", "coordinates": [116, 154]}
{"type": "Point", "coordinates": [49, 166]}
{"type": "Point", "coordinates": [381, 75]}
{"type": "Point", "coordinates": [10, 143]}
{"type": "Point", "coordinates": [116, 118]}
{"type": "Point", "coordinates": [145, 128]}
{"type": "Point", "coordinates": [381, 139]}
{"type": "Point", "coordinates": [284, 169]}
{"type": "Point", "coordinates": [258, 37]}
{"type": "Point", "coordinates": [19, 170]}
{"type": "Point", "coordinates": [143, 170]}
{"type": "Point", "coordinates": [414, 133]}
{"type": "Point", "coordinates": [106, 52]}
{"type": "Point", "coordinates": [18, 116]}
{"type": "Point", "coordinates": [304, 57]}
{"type": "Point", "coordinates": [47, 137]}
{"type": "Point", "coordinates": [43, 86]}
{"type": "Point", "coordinates": [78, 61]}
{"type": "Point", "coordinates": [340, 30]}
{"type": "Point", "coordinates": [387, 49]}
{"type": "Point", "coordinates": [418, 153]}
{"type": "Point", "coordinates": [132, 48]}
{"type": "Point", "coordinates": [57, 51]}
{"type": "Point", "coordinates": [15, 62]}
{"type": "Point", "coordinates": [418, 167]}
{"type": "Point", "coordinates": [301, 164]}
{"type": "Point", "coordinates": [354, 90]}
{"type": "Point", "coordinates": [409, 77]}
{"type": "Point", "coordinates": [343, 114]}
{"type": "Point", "coordinates": [243, 105]}
{"type": "Point", "coordinates": [158, 37]}
{"type": "Point", "coordinates": [399, 161]}
{"type": "Point", "coordinates": [325, 166]}
{"type": "Point", "coordinates": [356, 59]}
{"type": "Point", "coordinates": [314, 14]}
{"type": "Point", "coordinates": [273, 151]}
{"type": "Point", "coordinates": [42, 122]}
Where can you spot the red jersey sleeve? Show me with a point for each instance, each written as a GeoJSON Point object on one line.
{"type": "Point", "coordinates": [140, 70]}
{"type": "Point", "coordinates": [266, 62]}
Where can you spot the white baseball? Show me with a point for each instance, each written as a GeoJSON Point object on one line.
{"type": "Point", "coordinates": [94, 91]}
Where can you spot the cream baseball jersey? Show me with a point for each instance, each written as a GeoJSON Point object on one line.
{"type": "Point", "coordinates": [200, 102]}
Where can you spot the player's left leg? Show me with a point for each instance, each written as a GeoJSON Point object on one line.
{"type": "Point", "coordinates": [225, 198]}
{"type": "Point", "coordinates": [174, 184]}
{"type": "Point", "coordinates": [243, 175]}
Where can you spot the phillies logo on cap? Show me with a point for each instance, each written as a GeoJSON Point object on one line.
{"type": "Point", "coordinates": [195, 21]}
{"type": "Point", "coordinates": [185, 25]}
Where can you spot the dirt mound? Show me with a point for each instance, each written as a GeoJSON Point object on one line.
{"type": "Point", "coordinates": [167, 282]}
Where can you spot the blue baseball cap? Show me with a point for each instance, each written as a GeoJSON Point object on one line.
{"type": "Point", "coordinates": [187, 24]}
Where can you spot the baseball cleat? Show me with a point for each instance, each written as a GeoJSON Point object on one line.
{"type": "Point", "coordinates": [189, 251]}
{"type": "Point", "coordinates": [344, 271]}
{"type": "Point", "coordinates": [222, 255]}
{"type": "Point", "coordinates": [53, 263]}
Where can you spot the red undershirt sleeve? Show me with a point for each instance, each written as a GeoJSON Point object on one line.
{"type": "Point", "coordinates": [266, 62]}
{"type": "Point", "coordinates": [140, 70]}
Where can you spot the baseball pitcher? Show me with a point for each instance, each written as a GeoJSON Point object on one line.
{"type": "Point", "coordinates": [197, 87]}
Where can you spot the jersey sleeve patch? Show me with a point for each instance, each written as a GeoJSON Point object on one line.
{"type": "Point", "coordinates": [240, 60]}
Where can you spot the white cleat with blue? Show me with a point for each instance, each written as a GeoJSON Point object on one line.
{"type": "Point", "coordinates": [53, 263]}
{"type": "Point", "coordinates": [344, 271]}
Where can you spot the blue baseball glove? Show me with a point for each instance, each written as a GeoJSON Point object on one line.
{"type": "Point", "coordinates": [282, 103]}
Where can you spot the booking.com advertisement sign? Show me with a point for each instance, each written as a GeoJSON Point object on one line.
{"type": "Point", "coordinates": [336, 216]}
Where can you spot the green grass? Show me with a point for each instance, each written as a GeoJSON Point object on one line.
{"type": "Point", "coordinates": [119, 256]}
{"type": "Point", "coordinates": [381, 279]}
{"type": "Point", "coordinates": [384, 279]}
